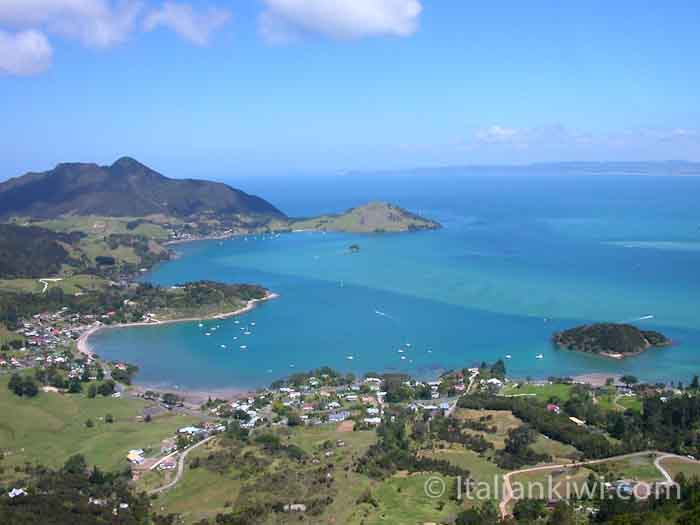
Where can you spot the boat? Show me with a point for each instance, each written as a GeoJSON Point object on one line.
{"type": "Point", "coordinates": [207, 334]}
{"type": "Point", "coordinates": [508, 356]}
{"type": "Point", "coordinates": [223, 346]}
{"type": "Point", "coordinates": [252, 323]}
{"type": "Point", "coordinates": [539, 356]}
{"type": "Point", "coordinates": [349, 358]}
{"type": "Point", "coordinates": [236, 321]}
{"type": "Point", "coordinates": [243, 347]}
{"type": "Point", "coordinates": [200, 325]}
{"type": "Point", "coordinates": [403, 357]}
{"type": "Point", "coordinates": [247, 332]}
{"type": "Point", "coordinates": [400, 351]}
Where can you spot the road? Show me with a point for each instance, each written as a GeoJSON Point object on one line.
{"type": "Point", "coordinates": [180, 467]}
{"type": "Point", "coordinates": [508, 489]}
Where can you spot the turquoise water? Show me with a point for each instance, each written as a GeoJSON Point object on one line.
{"type": "Point", "coordinates": [519, 257]}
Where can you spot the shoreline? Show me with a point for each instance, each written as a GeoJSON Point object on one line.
{"type": "Point", "coordinates": [83, 342]}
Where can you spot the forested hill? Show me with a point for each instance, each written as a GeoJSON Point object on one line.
{"type": "Point", "coordinates": [29, 251]}
{"type": "Point", "coordinates": [126, 188]}
{"type": "Point", "coordinates": [609, 339]}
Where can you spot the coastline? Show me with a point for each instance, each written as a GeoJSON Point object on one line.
{"type": "Point", "coordinates": [83, 342]}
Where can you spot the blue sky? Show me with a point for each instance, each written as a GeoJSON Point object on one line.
{"type": "Point", "coordinates": [222, 88]}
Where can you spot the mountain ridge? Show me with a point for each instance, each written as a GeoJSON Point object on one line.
{"type": "Point", "coordinates": [125, 188]}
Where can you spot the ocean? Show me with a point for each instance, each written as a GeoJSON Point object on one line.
{"type": "Point", "coordinates": [520, 256]}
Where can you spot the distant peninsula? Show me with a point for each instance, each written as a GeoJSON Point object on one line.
{"type": "Point", "coordinates": [610, 339]}
{"type": "Point", "coordinates": [374, 217]}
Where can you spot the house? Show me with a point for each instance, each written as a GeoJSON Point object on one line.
{"type": "Point", "coordinates": [168, 464]}
{"type": "Point", "coordinates": [338, 417]}
{"type": "Point", "coordinates": [191, 431]}
{"type": "Point", "coordinates": [373, 420]}
{"type": "Point", "coordinates": [135, 456]}
{"type": "Point", "coordinates": [295, 507]}
{"type": "Point", "coordinates": [17, 492]}
{"type": "Point", "coordinates": [373, 411]}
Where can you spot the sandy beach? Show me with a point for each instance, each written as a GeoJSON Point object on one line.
{"type": "Point", "coordinates": [83, 342]}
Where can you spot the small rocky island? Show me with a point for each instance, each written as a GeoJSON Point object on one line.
{"type": "Point", "coordinates": [374, 217]}
{"type": "Point", "coordinates": [610, 339]}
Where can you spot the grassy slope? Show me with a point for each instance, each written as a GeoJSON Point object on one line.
{"type": "Point", "coordinates": [676, 466]}
{"type": "Point", "coordinates": [51, 427]}
{"type": "Point", "coordinates": [6, 336]}
{"type": "Point", "coordinates": [364, 219]}
{"type": "Point", "coordinates": [543, 392]}
{"type": "Point", "coordinates": [202, 493]}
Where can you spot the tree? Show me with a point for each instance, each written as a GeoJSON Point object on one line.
{"type": "Point", "coordinates": [29, 387]}
{"type": "Point", "coordinates": [107, 388]}
{"type": "Point", "coordinates": [695, 384]}
{"type": "Point", "coordinates": [92, 391]}
{"type": "Point", "coordinates": [609, 381]}
{"type": "Point", "coordinates": [629, 380]}
{"type": "Point", "coordinates": [75, 464]}
{"type": "Point", "coordinates": [109, 418]}
{"type": "Point", "coordinates": [74, 387]}
{"type": "Point", "coordinates": [15, 384]}
{"type": "Point", "coordinates": [89, 423]}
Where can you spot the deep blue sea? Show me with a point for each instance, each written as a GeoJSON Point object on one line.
{"type": "Point", "coordinates": [520, 256]}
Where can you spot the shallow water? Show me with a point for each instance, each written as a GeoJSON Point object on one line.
{"type": "Point", "coordinates": [519, 257]}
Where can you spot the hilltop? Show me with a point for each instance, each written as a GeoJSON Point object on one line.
{"type": "Point", "coordinates": [374, 217]}
{"type": "Point", "coordinates": [610, 339]}
{"type": "Point", "coordinates": [127, 188]}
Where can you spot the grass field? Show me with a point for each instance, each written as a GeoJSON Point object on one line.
{"type": "Point", "coordinates": [541, 392]}
{"type": "Point", "coordinates": [637, 468]}
{"type": "Point", "coordinates": [559, 451]}
{"type": "Point", "coordinates": [537, 484]}
{"type": "Point", "coordinates": [676, 466]}
{"type": "Point", "coordinates": [93, 225]}
{"type": "Point", "coordinates": [203, 493]}
{"type": "Point", "coordinates": [503, 420]}
{"type": "Point", "coordinates": [6, 335]}
{"type": "Point", "coordinates": [70, 284]}
{"type": "Point", "coordinates": [51, 427]}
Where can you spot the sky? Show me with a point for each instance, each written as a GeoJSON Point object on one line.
{"type": "Point", "coordinates": [220, 88]}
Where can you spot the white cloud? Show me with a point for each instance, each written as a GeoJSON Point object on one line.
{"type": "Point", "coordinates": [287, 20]}
{"type": "Point", "coordinates": [181, 18]}
{"type": "Point", "coordinates": [24, 53]}
{"type": "Point", "coordinates": [96, 23]}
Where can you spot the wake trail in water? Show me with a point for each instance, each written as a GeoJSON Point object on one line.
{"type": "Point", "coordinates": [383, 314]}
{"type": "Point", "coordinates": [643, 318]}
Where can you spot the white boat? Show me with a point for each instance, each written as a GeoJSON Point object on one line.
{"type": "Point", "coordinates": [539, 356]}
{"type": "Point", "coordinates": [349, 358]}
{"type": "Point", "coordinates": [252, 323]}
{"type": "Point", "coordinates": [243, 347]}
{"type": "Point", "coordinates": [236, 321]}
{"type": "Point", "coordinates": [235, 337]}
{"type": "Point", "coordinates": [247, 332]}
{"type": "Point", "coordinates": [400, 351]}
{"type": "Point", "coordinates": [223, 346]}
{"type": "Point", "coordinates": [508, 356]}
{"type": "Point", "coordinates": [200, 325]}
{"type": "Point", "coordinates": [403, 357]}
{"type": "Point", "coordinates": [207, 334]}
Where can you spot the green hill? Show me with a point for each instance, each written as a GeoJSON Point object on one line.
{"type": "Point", "coordinates": [375, 217]}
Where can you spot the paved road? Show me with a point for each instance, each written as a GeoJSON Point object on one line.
{"type": "Point", "coordinates": [180, 467]}
{"type": "Point", "coordinates": [508, 489]}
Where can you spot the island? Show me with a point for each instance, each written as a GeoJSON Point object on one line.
{"type": "Point", "coordinates": [374, 217]}
{"type": "Point", "coordinates": [610, 339]}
